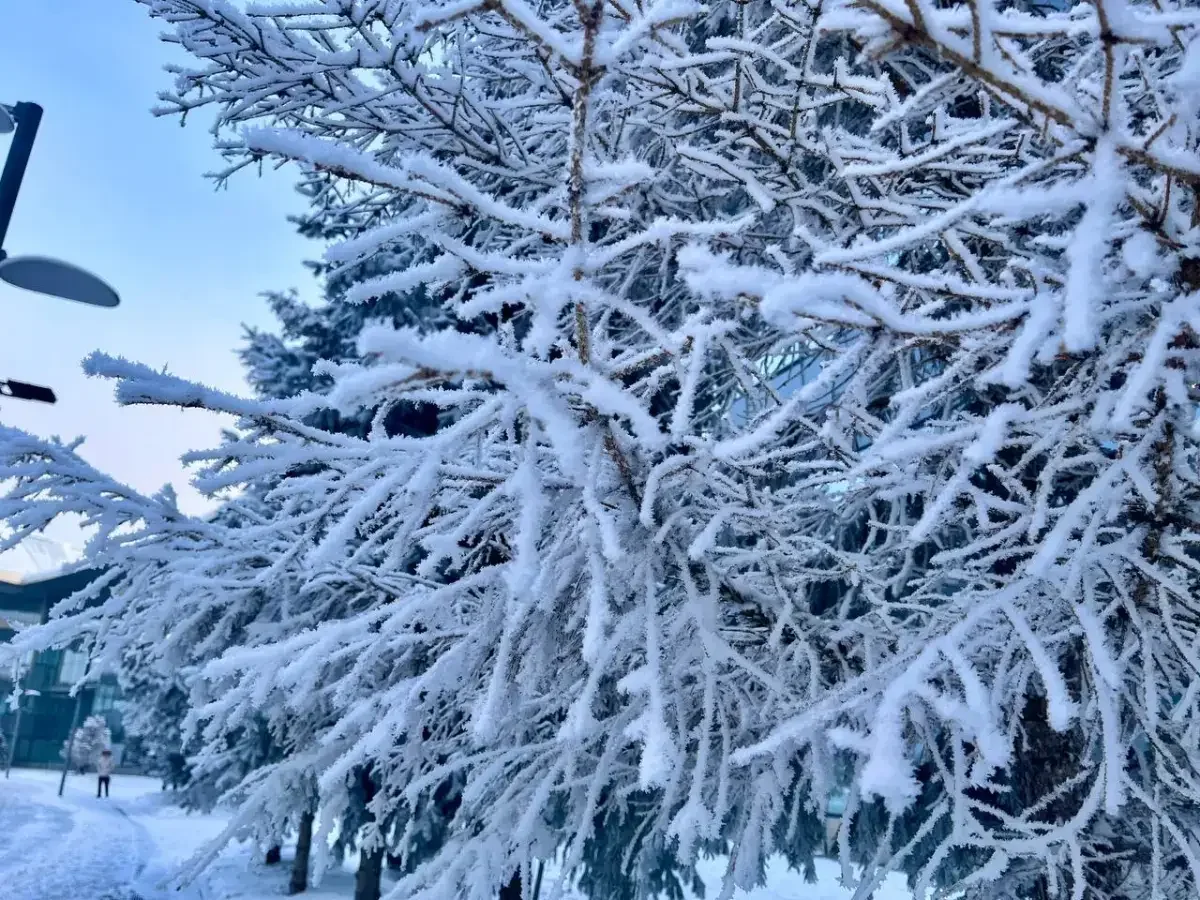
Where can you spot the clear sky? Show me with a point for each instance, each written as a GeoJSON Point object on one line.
{"type": "Point", "coordinates": [122, 193]}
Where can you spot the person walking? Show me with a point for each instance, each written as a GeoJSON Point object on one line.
{"type": "Point", "coordinates": [104, 769]}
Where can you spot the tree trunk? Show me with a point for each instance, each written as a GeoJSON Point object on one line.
{"type": "Point", "coordinates": [512, 890]}
{"type": "Point", "coordinates": [1046, 758]}
{"type": "Point", "coordinates": [370, 862]}
{"type": "Point", "coordinates": [370, 872]}
{"type": "Point", "coordinates": [299, 880]}
{"type": "Point", "coordinates": [274, 855]}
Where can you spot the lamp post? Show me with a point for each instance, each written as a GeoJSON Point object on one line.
{"type": "Point", "coordinates": [16, 733]}
{"type": "Point", "coordinates": [36, 273]}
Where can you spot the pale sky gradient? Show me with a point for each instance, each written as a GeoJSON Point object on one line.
{"type": "Point", "coordinates": [113, 189]}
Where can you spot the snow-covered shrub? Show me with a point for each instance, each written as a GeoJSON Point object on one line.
{"type": "Point", "coordinates": [90, 739]}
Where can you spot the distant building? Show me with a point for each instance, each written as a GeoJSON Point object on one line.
{"type": "Point", "coordinates": [835, 808]}
{"type": "Point", "coordinates": [45, 720]}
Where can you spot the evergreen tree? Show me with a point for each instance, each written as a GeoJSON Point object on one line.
{"type": "Point", "coordinates": [285, 364]}
{"type": "Point", "coordinates": [153, 708]}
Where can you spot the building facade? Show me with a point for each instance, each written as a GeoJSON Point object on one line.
{"type": "Point", "coordinates": [47, 707]}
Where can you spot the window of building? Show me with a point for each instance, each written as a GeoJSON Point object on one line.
{"type": "Point", "coordinates": [44, 672]}
{"type": "Point", "coordinates": [106, 699]}
{"type": "Point", "coordinates": [16, 617]}
{"type": "Point", "coordinates": [72, 668]}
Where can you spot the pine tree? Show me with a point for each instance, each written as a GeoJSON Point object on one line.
{"type": "Point", "coordinates": [153, 708]}
{"type": "Point", "coordinates": [282, 365]}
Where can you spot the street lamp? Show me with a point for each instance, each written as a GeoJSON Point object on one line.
{"type": "Point", "coordinates": [38, 273]}
{"type": "Point", "coordinates": [21, 695]}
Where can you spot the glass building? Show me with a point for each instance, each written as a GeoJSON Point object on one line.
{"type": "Point", "coordinates": [47, 707]}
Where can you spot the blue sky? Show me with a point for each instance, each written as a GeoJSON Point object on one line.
{"type": "Point", "coordinates": [115, 190]}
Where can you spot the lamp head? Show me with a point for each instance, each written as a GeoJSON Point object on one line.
{"type": "Point", "coordinates": [57, 278]}
{"type": "Point", "coordinates": [20, 390]}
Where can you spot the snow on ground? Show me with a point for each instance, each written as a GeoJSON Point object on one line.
{"type": "Point", "coordinates": [73, 846]}
{"type": "Point", "coordinates": [127, 847]}
{"type": "Point", "coordinates": [787, 884]}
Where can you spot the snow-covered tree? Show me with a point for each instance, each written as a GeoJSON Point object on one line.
{"type": "Point", "coordinates": [153, 708]}
{"type": "Point", "coordinates": [281, 364]}
{"type": "Point", "coordinates": [835, 430]}
{"type": "Point", "coordinates": [89, 739]}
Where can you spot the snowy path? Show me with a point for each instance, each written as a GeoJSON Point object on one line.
{"type": "Point", "coordinates": [127, 848]}
{"type": "Point", "coordinates": [73, 847]}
